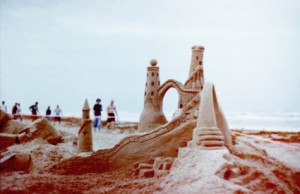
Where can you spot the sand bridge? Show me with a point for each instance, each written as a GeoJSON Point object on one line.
{"type": "Point", "coordinates": [184, 94]}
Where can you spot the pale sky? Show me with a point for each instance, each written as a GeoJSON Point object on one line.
{"type": "Point", "coordinates": [61, 52]}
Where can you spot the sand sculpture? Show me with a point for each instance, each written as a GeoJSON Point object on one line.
{"type": "Point", "coordinates": [13, 132]}
{"type": "Point", "coordinates": [152, 115]}
{"type": "Point", "coordinates": [212, 130]}
{"type": "Point", "coordinates": [194, 151]}
{"type": "Point", "coordinates": [85, 140]}
{"type": "Point", "coordinates": [164, 139]}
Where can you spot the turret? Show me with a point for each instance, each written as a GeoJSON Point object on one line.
{"type": "Point", "coordinates": [152, 115]}
{"type": "Point", "coordinates": [196, 79]}
{"type": "Point", "coordinates": [85, 139]}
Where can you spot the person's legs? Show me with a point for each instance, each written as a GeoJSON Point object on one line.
{"type": "Point", "coordinates": [99, 123]}
{"type": "Point", "coordinates": [113, 119]}
{"type": "Point", "coordinates": [108, 125]}
{"type": "Point", "coordinates": [112, 124]}
{"type": "Point", "coordinates": [95, 124]}
{"type": "Point", "coordinates": [33, 117]}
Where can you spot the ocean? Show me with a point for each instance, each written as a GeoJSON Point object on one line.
{"type": "Point", "coordinates": [268, 121]}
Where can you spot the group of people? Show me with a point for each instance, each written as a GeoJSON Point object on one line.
{"type": "Point", "coordinates": [35, 110]}
{"type": "Point", "coordinates": [16, 111]}
{"type": "Point", "coordinates": [111, 115]}
{"type": "Point", "coordinates": [57, 114]}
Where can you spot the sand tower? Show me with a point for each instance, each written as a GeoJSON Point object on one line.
{"type": "Point", "coordinates": [196, 78]}
{"type": "Point", "coordinates": [152, 115]}
{"type": "Point", "coordinates": [85, 140]}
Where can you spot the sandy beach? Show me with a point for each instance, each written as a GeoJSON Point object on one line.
{"type": "Point", "coordinates": [269, 161]}
{"type": "Point", "coordinates": [194, 97]}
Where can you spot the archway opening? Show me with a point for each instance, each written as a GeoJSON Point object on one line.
{"type": "Point", "coordinates": [170, 103]}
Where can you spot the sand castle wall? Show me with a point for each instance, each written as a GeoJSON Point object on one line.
{"type": "Point", "coordinates": [162, 141]}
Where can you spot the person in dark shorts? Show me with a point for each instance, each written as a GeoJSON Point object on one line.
{"type": "Point", "coordinates": [97, 114]}
{"type": "Point", "coordinates": [48, 113]}
{"type": "Point", "coordinates": [58, 114]}
{"type": "Point", "coordinates": [19, 111]}
{"type": "Point", "coordinates": [15, 110]}
{"type": "Point", "coordinates": [111, 116]}
{"type": "Point", "coordinates": [34, 110]}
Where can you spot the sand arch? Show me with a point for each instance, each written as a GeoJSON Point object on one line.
{"type": "Point", "coordinates": [165, 88]}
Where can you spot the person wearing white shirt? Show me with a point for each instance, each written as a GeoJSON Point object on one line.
{"type": "Point", "coordinates": [3, 106]}
{"type": "Point", "coordinates": [58, 114]}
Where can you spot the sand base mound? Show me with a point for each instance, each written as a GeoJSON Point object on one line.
{"type": "Point", "coordinates": [245, 169]}
{"type": "Point", "coordinates": [42, 153]}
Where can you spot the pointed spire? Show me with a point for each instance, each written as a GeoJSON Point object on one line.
{"type": "Point", "coordinates": [86, 110]}
{"type": "Point", "coordinates": [86, 105]}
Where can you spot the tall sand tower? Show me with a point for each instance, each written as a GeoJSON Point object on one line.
{"type": "Point", "coordinates": [152, 115]}
{"type": "Point", "coordinates": [196, 78]}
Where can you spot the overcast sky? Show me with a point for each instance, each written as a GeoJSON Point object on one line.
{"type": "Point", "coordinates": [61, 52]}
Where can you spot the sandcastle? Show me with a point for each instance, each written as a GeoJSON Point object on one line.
{"type": "Point", "coordinates": [201, 124]}
{"type": "Point", "coordinates": [194, 152]}
{"type": "Point", "coordinates": [85, 143]}
{"type": "Point", "coordinates": [152, 115]}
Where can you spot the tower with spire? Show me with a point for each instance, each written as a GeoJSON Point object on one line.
{"type": "Point", "coordinates": [196, 78]}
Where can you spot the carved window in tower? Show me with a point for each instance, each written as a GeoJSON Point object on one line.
{"type": "Point", "coordinates": [145, 93]}
{"type": "Point", "coordinates": [200, 62]}
{"type": "Point", "coordinates": [152, 83]}
{"type": "Point", "coordinates": [152, 93]}
{"type": "Point", "coordinates": [146, 83]}
{"type": "Point", "coordinates": [157, 74]}
{"type": "Point", "coordinates": [197, 58]}
{"type": "Point", "coordinates": [152, 74]}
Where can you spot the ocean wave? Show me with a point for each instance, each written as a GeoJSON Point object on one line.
{"type": "Point", "coordinates": [267, 116]}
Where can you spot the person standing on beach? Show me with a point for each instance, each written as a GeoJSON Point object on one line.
{"type": "Point", "coordinates": [48, 113]}
{"type": "Point", "coordinates": [14, 110]}
{"type": "Point", "coordinates": [3, 106]}
{"type": "Point", "coordinates": [111, 118]}
{"type": "Point", "coordinates": [34, 110]}
{"type": "Point", "coordinates": [58, 114]}
{"type": "Point", "coordinates": [97, 115]}
{"type": "Point", "coordinates": [19, 111]}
